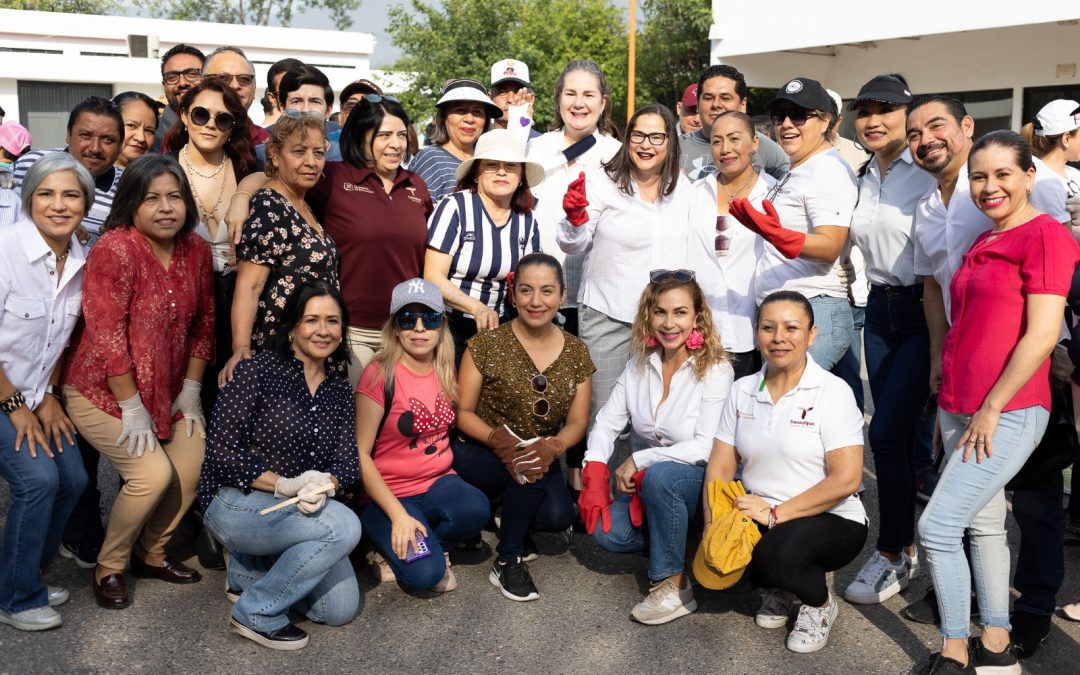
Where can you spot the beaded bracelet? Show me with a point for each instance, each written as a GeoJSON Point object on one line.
{"type": "Point", "coordinates": [13, 402]}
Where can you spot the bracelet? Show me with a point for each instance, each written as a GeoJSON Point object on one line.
{"type": "Point", "coordinates": [773, 520]}
{"type": "Point", "coordinates": [241, 192]}
{"type": "Point", "coordinates": [13, 402]}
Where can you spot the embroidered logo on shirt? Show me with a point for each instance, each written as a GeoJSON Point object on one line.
{"type": "Point", "coordinates": [352, 187]}
{"type": "Point", "coordinates": [412, 195]}
{"type": "Point", "coordinates": [425, 427]}
{"type": "Point", "coordinates": [802, 421]}
{"type": "Point", "coordinates": [744, 415]}
{"type": "Point", "coordinates": [468, 237]}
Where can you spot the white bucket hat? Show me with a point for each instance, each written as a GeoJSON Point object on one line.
{"type": "Point", "coordinates": [469, 90]}
{"type": "Point", "coordinates": [502, 146]}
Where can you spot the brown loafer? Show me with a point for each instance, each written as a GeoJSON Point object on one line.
{"type": "Point", "coordinates": [112, 592]}
{"type": "Point", "coordinates": [170, 571]}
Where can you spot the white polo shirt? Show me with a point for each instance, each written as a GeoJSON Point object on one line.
{"type": "Point", "coordinates": [680, 429]}
{"type": "Point", "coordinates": [821, 191]}
{"type": "Point", "coordinates": [943, 234]}
{"type": "Point", "coordinates": [727, 277]}
{"type": "Point", "coordinates": [38, 315]}
{"type": "Point", "coordinates": [783, 445]}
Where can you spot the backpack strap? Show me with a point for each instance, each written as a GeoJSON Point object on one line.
{"type": "Point", "coordinates": [388, 401]}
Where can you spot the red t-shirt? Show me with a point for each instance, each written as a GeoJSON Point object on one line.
{"type": "Point", "coordinates": [381, 237]}
{"type": "Point", "coordinates": [989, 304]}
{"type": "Point", "coordinates": [413, 449]}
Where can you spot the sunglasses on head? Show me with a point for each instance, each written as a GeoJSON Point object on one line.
{"type": "Point", "coordinates": [540, 406]}
{"type": "Point", "coordinates": [656, 276]}
{"type": "Point", "coordinates": [376, 98]}
{"type": "Point", "coordinates": [189, 74]}
{"type": "Point", "coordinates": [406, 319]}
{"type": "Point", "coordinates": [798, 116]}
{"type": "Point", "coordinates": [244, 80]}
{"type": "Point", "coordinates": [296, 114]}
{"type": "Point", "coordinates": [223, 122]}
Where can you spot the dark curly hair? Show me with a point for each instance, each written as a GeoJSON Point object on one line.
{"type": "Point", "coordinates": [238, 146]}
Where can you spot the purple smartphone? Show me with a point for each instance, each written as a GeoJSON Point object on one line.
{"type": "Point", "coordinates": [421, 551]}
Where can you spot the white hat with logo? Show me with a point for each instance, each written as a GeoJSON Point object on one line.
{"type": "Point", "coordinates": [510, 70]}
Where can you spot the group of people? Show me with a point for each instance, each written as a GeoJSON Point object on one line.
{"type": "Point", "coordinates": [308, 345]}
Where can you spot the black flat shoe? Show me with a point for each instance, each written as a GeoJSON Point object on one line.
{"type": "Point", "coordinates": [1028, 632]}
{"type": "Point", "coordinates": [170, 571]}
{"type": "Point", "coordinates": [286, 638]}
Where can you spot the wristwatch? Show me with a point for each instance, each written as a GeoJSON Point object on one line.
{"type": "Point", "coordinates": [50, 389]}
{"type": "Point", "coordinates": [13, 402]}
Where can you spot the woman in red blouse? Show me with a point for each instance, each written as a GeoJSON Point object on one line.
{"type": "Point", "coordinates": [1008, 300]}
{"type": "Point", "coordinates": [134, 381]}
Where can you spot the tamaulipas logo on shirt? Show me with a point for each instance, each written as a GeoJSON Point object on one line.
{"type": "Point", "coordinates": [802, 421]}
{"type": "Point", "coordinates": [352, 187]}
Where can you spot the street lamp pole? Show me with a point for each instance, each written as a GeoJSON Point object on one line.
{"type": "Point", "coordinates": [630, 71]}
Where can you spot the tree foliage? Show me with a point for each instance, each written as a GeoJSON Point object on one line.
{"type": "Point", "coordinates": [672, 48]}
{"type": "Point", "coordinates": [252, 12]}
{"type": "Point", "coordinates": [68, 6]}
{"type": "Point", "coordinates": [464, 37]}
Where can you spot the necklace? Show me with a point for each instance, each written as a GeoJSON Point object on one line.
{"type": "Point", "coordinates": [207, 214]}
{"type": "Point", "coordinates": [731, 196]}
{"type": "Point", "coordinates": [192, 169]}
{"type": "Point", "coordinates": [63, 256]}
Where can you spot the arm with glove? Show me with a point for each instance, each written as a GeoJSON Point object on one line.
{"type": "Point", "coordinates": [533, 461]}
{"type": "Point", "coordinates": [823, 244]}
{"type": "Point", "coordinates": [577, 227]}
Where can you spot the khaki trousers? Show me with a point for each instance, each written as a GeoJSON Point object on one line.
{"type": "Point", "coordinates": [159, 487]}
{"type": "Point", "coordinates": [363, 343]}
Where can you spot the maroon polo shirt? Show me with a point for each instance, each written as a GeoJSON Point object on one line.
{"type": "Point", "coordinates": [381, 237]}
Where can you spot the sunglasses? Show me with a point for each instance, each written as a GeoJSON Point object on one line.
{"type": "Point", "coordinates": [656, 276]}
{"type": "Point", "coordinates": [223, 122]}
{"type": "Point", "coordinates": [376, 98]}
{"type": "Point", "coordinates": [243, 80]}
{"type": "Point", "coordinates": [798, 116]}
{"type": "Point", "coordinates": [406, 319]}
{"type": "Point", "coordinates": [540, 406]}
{"type": "Point", "coordinates": [655, 139]}
{"type": "Point", "coordinates": [774, 191]}
{"type": "Point", "coordinates": [189, 74]}
{"type": "Point", "coordinates": [296, 114]}
{"type": "Point", "coordinates": [723, 241]}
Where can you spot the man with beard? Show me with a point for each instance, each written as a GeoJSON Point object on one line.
{"type": "Point", "coordinates": [181, 69]}
{"type": "Point", "coordinates": [947, 222]}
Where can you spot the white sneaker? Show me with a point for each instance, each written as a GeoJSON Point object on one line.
{"type": "Point", "coordinates": [58, 596]}
{"type": "Point", "coordinates": [812, 627]}
{"type": "Point", "coordinates": [912, 562]}
{"type": "Point", "coordinates": [775, 608]}
{"type": "Point", "coordinates": [449, 581]}
{"type": "Point", "coordinates": [39, 618]}
{"type": "Point", "coordinates": [665, 602]}
{"type": "Point", "coordinates": [878, 580]}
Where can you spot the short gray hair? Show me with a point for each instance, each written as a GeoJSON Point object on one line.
{"type": "Point", "coordinates": [46, 166]}
{"type": "Point", "coordinates": [228, 48]}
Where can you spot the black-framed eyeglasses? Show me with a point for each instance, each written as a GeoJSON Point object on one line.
{"type": "Point", "coordinates": [723, 240]}
{"type": "Point", "coordinates": [244, 80]}
{"type": "Point", "coordinates": [189, 74]}
{"type": "Point", "coordinates": [223, 122]}
{"type": "Point", "coordinates": [657, 138]}
{"type": "Point", "coordinates": [406, 319]}
{"type": "Point", "coordinates": [774, 191]}
{"type": "Point", "coordinates": [297, 114]}
{"type": "Point", "coordinates": [798, 116]}
{"type": "Point", "coordinates": [540, 406]}
{"type": "Point", "coordinates": [656, 276]}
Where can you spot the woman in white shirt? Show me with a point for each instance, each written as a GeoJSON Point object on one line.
{"type": "Point", "coordinates": [41, 264]}
{"type": "Point", "coordinates": [672, 392]}
{"type": "Point", "coordinates": [797, 432]}
{"type": "Point", "coordinates": [632, 217]}
{"type": "Point", "coordinates": [806, 215]}
{"type": "Point", "coordinates": [1053, 137]}
{"type": "Point", "coordinates": [725, 253]}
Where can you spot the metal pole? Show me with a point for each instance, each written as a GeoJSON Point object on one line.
{"type": "Point", "coordinates": [630, 71]}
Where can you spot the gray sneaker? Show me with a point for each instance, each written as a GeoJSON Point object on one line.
{"type": "Point", "coordinates": [775, 608]}
{"type": "Point", "coordinates": [665, 602]}
{"type": "Point", "coordinates": [878, 580]}
{"type": "Point", "coordinates": [58, 596]}
{"type": "Point", "coordinates": [811, 631]}
{"type": "Point", "coordinates": [39, 618]}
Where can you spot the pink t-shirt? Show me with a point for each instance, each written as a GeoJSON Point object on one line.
{"type": "Point", "coordinates": [989, 304]}
{"type": "Point", "coordinates": [413, 449]}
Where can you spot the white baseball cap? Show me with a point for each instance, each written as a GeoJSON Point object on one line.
{"type": "Point", "coordinates": [510, 70]}
{"type": "Point", "coordinates": [1057, 117]}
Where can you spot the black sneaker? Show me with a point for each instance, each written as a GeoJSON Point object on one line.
{"type": "Point", "coordinates": [942, 665]}
{"type": "Point", "coordinates": [926, 609]}
{"type": "Point", "coordinates": [83, 558]}
{"type": "Point", "coordinates": [286, 638]}
{"type": "Point", "coordinates": [1028, 632]}
{"type": "Point", "coordinates": [513, 579]}
{"type": "Point", "coordinates": [531, 551]}
{"type": "Point", "coordinates": [987, 662]}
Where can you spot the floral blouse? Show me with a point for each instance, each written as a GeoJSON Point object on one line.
{"type": "Point", "coordinates": [277, 236]}
{"type": "Point", "coordinates": [143, 319]}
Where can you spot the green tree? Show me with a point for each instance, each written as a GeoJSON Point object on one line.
{"type": "Point", "coordinates": [253, 12]}
{"type": "Point", "coordinates": [672, 48]}
{"type": "Point", "coordinates": [69, 6]}
{"type": "Point", "coordinates": [464, 37]}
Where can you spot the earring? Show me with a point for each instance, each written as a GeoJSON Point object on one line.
{"type": "Point", "coordinates": [695, 340]}
{"type": "Point", "coordinates": [651, 342]}
{"type": "Point", "coordinates": [290, 338]}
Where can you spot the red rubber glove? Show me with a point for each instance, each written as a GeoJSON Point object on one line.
{"type": "Point", "coordinates": [637, 509]}
{"type": "Point", "coordinates": [788, 242]}
{"type": "Point", "coordinates": [574, 202]}
{"type": "Point", "coordinates": [595, 499]}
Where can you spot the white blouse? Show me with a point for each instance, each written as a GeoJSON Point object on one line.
{"type": "Point", "coordinates": [680, 429]}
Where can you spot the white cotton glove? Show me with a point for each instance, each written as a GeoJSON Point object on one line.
{"type": "Point", "coordinates": [845, 272]}
{"type": "Point", "coordinates": [189, 402]}
{"type": "Point", "coordinates": [139, 429]}
{"type": "Point", "coordinates": [290, 487]}
{"type": "Point", "coordinates": [310, 503]}
{"type": "Point", "coordinates": [1072, 205]}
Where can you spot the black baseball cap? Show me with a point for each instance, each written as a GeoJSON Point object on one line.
{"type": "Point", "coordinates": [805, 93]}
{"type": "Point", "coordinates": [884, 89]}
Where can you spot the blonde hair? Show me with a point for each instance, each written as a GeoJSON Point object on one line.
{"type": "Point", "coordinates": [390, 354]}
{"type": "Point", "coordinates": [711, 352]}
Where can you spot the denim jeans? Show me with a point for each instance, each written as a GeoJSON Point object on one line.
{"type": "Point", "coordinates": [43, 493]}
{"type": "Point", "coordinates": [671, 495]}
{"type": "Point", "coordinates": [543, 505]}
{"type": "Point", "coordinates": [835, 327]}
{"type": "Point", "coordinates": [849, 367]}
{"type": "Point", "coordinates": [1040, 567]}
{"type": "Point", "coordinates": [286, 559]}
{"type": "Point", "coordinates": [451, 510]}
{"type": "Point", "coordinates": [971, 495]}
{"type": "Point", "coordinates": [898, 366]}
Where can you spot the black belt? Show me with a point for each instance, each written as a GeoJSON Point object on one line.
{"type": "Point", "coordinates": [915, 291]}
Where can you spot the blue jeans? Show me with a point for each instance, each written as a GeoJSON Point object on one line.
{"type": "Point", "coordinates": [849, 367]}
{"type": "Point", "coordinates": [286, 559]}
{"type": "Point", "coordinates": [544, 505]}
{"type": "Point", "coordinates": [451, 510]}
{"type": "Point", "coordinates": [671, 495]}
{"type": "Point", "coordinates": [43, 493]}
{"type": "Point", "coordinates": [1040, 567]}
{"type": "Point", "coordinates": [898, 366]}
{"type": "Point", "coordinates": [970, 495]}
{"type": "Point", "coordinates": [835, 327]}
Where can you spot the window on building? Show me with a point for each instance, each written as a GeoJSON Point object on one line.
{"type": "Point", "coordinates": [44, 107]}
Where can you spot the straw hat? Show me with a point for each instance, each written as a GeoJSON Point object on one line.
{"type": "Point", "coordinates": [501, 145]}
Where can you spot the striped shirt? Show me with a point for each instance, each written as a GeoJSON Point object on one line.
{"type": "Point", "coordinates": [482, 253]}
{"type": "Point", "coordinates": [104, 189]}
{"type": "Point", "coordinates": [436, 166]}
